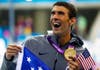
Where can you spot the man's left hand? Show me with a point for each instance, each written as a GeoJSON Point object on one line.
{"type": "Point", "coordinates": [73, 64]}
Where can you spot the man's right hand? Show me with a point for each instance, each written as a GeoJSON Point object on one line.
{"type": "Point", "coordinates": [12, 50]}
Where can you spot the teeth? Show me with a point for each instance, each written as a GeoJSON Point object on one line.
{"type": "Point", "coordinates": [57, 24]}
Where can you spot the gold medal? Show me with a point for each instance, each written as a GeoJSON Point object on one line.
{"type": "Point", "coordinates": [70, 52]}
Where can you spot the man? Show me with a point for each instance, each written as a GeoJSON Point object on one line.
{"type": "Point", "coordinates": [63, 16]}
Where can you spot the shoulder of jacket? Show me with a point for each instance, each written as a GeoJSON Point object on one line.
{"type": "Point", "coordinates": [76, 41]}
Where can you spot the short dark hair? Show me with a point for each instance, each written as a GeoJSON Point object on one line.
{"type": "Point", "coordinates": [69, 6]}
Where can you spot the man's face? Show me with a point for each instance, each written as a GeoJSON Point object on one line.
{"type": "Point", "coordinates": [60, 21]}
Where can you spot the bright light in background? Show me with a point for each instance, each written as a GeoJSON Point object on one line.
{"type": "Point", "coordinates": [2, 50]}
{"type": "Point", "coordinates": [28, 0]}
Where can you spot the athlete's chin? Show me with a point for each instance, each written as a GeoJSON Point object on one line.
{"type": "Point", "coordinates": [58, 33]}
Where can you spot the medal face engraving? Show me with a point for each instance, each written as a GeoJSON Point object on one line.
{"type": "Point", "coordinates": [70, 52]}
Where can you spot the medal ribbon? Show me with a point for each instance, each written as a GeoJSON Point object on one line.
{"type": "Point", "coordinates": [55, 45]}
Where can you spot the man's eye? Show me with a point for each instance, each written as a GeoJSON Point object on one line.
{"type": "Point", "coordinates": [52, 13]}
{"type": "Point", "coordinates": [61, 13]}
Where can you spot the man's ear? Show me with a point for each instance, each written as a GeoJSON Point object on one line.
{"type": "Point", "coordinates": [73, 20]}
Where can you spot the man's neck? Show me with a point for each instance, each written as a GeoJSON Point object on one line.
{"type": "Point", "coordinates": [64, 39]}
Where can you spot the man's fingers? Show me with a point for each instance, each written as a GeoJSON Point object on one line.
{"type": "Point", "coordinates": [72, 66]}
{"type": "Point", "coordinates": [11, 54]}
{"type": "Point", "coordinates": [72, 58]}
{"type": "Point", "coordinates": [13, 48]}
{"type": "Point", "coordinates": [73, 63]}
{"type": "Point", "coordinates": [12, 51]}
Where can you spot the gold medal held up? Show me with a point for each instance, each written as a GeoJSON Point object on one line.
{"type": "Point", "coordinates": [70, 52]}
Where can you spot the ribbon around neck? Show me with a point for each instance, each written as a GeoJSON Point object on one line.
{"type": "Point", "coordinates": [56, 46]}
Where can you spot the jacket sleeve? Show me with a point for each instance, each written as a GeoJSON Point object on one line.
{"type": "Point", "coordinates": [8, 64]}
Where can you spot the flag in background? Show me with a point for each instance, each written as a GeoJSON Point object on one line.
{"type": "Point", "coordinates": [86, 60]}
{"type": "Point", "coordinates": [31, 62]}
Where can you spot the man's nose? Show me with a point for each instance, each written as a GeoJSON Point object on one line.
{"type": "Point", "coordinates": [55, 19]}
{"type": "Point", "coordinates": [56, 15]}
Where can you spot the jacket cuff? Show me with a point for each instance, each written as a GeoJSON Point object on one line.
{"type": "Point", "coordinates": [9, 59]}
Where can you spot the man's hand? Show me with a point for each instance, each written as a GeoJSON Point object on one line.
{"type": "Point", "coordinates": [73, 64]}
{"type": "Point", "coordinates": [12, 50]}
{"type": "Point", "coordinates": [98, 68]}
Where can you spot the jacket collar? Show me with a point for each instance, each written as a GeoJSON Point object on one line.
{"type": "Point", "coordinates": [75, 40]}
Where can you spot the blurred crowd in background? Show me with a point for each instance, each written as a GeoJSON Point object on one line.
{"type": "Point", "coordinates": [31, 18]}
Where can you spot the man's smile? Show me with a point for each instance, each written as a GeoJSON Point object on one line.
{"type": "Point", "coordinates": [57, 25]}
